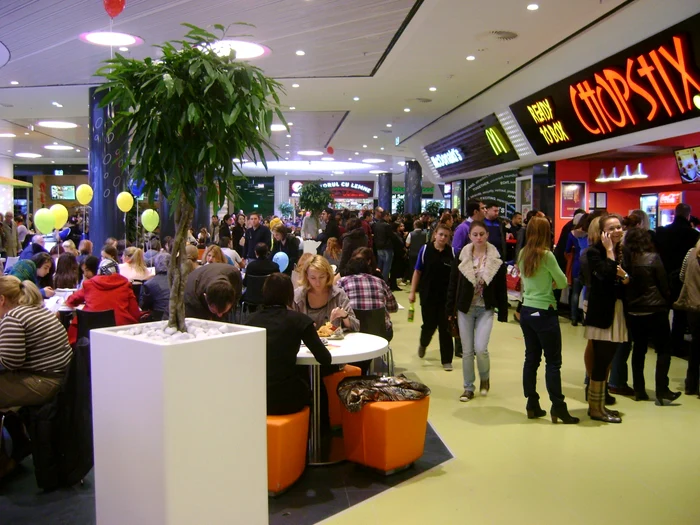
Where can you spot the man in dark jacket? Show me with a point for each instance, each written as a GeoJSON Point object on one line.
{"type": "Point", "coordinates": [331, 230]}
{"type": "Point", "coordinates": [261, 265]}
{"type": "Point", "coordinates": [212, 290]}
{"type": "Point", "coordinates": [353, 239]}
{"type": "Point", "coordinates": [226, 227]}
{"type": "Point", "coordinates": [383, 232]}
{"type": "Point", "coordinates": [257, 234]}
{"type": "Point", "coordinates": [155, 292]}
{"type": "Point", "coordinates": [495, 227]}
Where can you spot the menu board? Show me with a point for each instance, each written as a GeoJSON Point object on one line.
{"type": "Point", "coordinates": [499, 187]}
{"type": "Point", "coordinates": [63, 193]}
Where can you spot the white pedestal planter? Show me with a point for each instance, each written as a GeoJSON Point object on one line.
{"type": "Point", "coordinates": [180, 428]}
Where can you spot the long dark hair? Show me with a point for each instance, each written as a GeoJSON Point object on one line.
{"type": "Point", "coordinates": [67, 272]}
{"type": "Point", "coordinates": [637, 241]}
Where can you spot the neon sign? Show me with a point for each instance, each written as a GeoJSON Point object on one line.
{"type": "Point", "coordinates": [551, 129]}
{"type": "Point", "coordinates": [499, 145]}
{"type": "Point", "coordinates": [451, 156]}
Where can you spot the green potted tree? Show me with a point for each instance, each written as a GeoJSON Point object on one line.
{"type": "Point", "coordinates": [314, 198]}
{"type": "Point", "coordinates": [186, 117]}
{"type": "Point", "coordinates": [286, 209]}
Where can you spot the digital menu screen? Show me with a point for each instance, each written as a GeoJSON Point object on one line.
{"type": "Point", "coordinates": [63, 193]}
{"type": "Point", "coordinates": [688, 164]}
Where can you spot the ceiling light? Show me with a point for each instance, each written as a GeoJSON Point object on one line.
{"type": "Point", "coordinates": [286, 152]}
{"type": "Point", "coordinates": [601, 177]}
{"type": "Point", "coordinates": [54, 103]}
{"type": "Point", "coordinates": [471, 57]}
{"type": "Point", "coordinates": [28, 155]}
{"type": "Point", "coordinates": [376, 172]}
{"type": "Point", "coordinates": [327, 159]}
{"type": "Point", "coordinates": [292, 108]}
{"type": "Point", "coordinates": [53, 162]}
{"type": "Point", "coordinates": [286, 158]}
{"type": "Point", "coordinates": [375, 137]}
{"type": "Point", "coordinates": [243, 50]}
{"type": "Point", "coordinates": [277, 127]}
{"type": "Point", "coordinates": [290, 123]}
{"type": "Point", "coordinates": [626, 173]}
{"type": "Point", "coordinates": [108, 38]}
{"type": "Point", "coordinates": [401, 163]}
{"type": "Point", "coordinates": [338, 172]}
{"type": "Point", "coordinates": [9, 151]}
{"type": "Point", "coordinates": [57, 147]}
{"type": "Point", "coordinates": [388, 125]}
{"type": "Point", "coordinates": [124, 49]}
{"type": "Point", "coordinates": [286, 145]}
{"type": "Point", "coordinates": [364, 145]}
{"type": "Point", "coordinates": [295, 85]}
{"type": "Point", "coordinates": [432, 89]}
{"type": "Point", "coordinates": [356, 99]}
{"type": "Point", "coordinates": [381, 149]}
{"type": "Point", "coordinates": [310, 153]}
{"type": "Point", "coordinates": [289, 136]}
{"type": "Point", "coordinates": [7, 135]}
{"type": "Point", "coordinates": [26, 133]}
{"type": "Point", "coordinates": [77, 151]}
{"type": "Point", "coordinates": [300, 53]}
{"type": "Point", "coordinates": [357, 153]}
{"type": "Point", "coordinates": [56, 124]}
{"type": "Point", "coordinates": [545, 165]}
{"type": "Point", "coordinates": [407, 110]}
{"type": "Point", "coordinates": [349, 158]}
{"type": "Point", "coordinates": [14, 82]}
{"type": "Point", "coordinates": [533, 7]}
{"type": "Point", "coordinates": [373, 161]}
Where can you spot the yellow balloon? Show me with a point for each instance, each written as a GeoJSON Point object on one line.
{"type": "Point", "coordinates": [150, 220]}
{"type": "Point", "coordinates": [60, 215]}
{"type": "Point", "coordinates": [44, 220]}
{"type": "Point", "coordinates": [125, 201]}
{"type": "Point", "coordinates": [84, 194]}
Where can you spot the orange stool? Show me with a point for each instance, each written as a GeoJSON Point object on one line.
{"type": "Point", "coordinates": [386, 435]}
{"type": "Point", "coordinates": [335, 407]}
{"type": "Point", "coordinates": [287, 438]}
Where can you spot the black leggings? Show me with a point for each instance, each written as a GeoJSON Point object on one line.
{"type": "Point", "coordinates": [603, 353]}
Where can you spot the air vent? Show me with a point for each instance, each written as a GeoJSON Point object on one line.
{"type": "Point", "coordinates": [6, 105]}
{"type": "Point", "coordinates": [423, 100]}
{"type": "Point", "coordinates": [504, 35]}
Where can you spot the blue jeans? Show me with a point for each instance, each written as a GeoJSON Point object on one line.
{"type": "Point", "coordinates": [475, 329]}
{"type": "Point", "coordinates": [384, 259]}
{"type": "Point", "coordinates": [574, 297]}
{"type": "Point", "coordinates": [542, 334]}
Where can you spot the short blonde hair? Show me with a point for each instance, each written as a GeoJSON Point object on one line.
{"type": "Point", "coordinates": [594, 231]}
{"type": "Point", "coordinates": [24, 293]}
{"type": "Point", "coordinates": [320, 264]}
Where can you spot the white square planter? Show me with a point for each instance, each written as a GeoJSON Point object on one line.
{"type": "Point", "coordinates": [180, 428]}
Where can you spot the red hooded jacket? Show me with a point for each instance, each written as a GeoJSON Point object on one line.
{"type": "Point", "coordinates": [106, 292]}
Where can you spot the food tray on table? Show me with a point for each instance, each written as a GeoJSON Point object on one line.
{"type": "Point", "coordinates": [330, 332]}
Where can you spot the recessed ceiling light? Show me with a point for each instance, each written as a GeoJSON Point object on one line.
{"type": "Point", "coordinates": [381, 149]}
{"type": "Point", "coordinates": [401, 163]}
{"type": "Point", "coordinates": [108, 38]}
{"type": "Point", "coordinates": [53, 162]}
{"type": "Point", "coordinates": [407, 110]}
{"type": "Point", "coordinates": [376, 172]}
{"type": "Point", "coordinates": [54, 103]}
{"type": "Point", "coordinates": [290, 123]}
{"type": "Point", "coordinates": [286, 158]}
{"type": "Point", "coordinates": [277, 127]}
{"type": "Point", "coordinates": [26, 133]}
{"type": "Point", "coordinates": [545, 165]}
{"type": "Point", "coordinates": [292, 108]}
{"type": "Point", "coordinates": [349, 158]}
{"type": "Point", "coordinates": [327, 159]}
{"type": "Point", "coordinates": [286, 145]}
{"type": "Point", "coordinates": [9, 151]}
{"type": "Point", "coordinates": [357, 153]}
{"type": "Point", "coordinates": [432, 89]}
{"type": "Point", "coordinates": [7, 135]}
{"type": "Point", "coordinates": [289, 136]}
{"type": "Point", "coordinates": [28, 155]}
{"type": "Point", "coordinates": [471, 57]}
{"type": "Point", "coordinates": [14, 82]}
{"type": "Point", "coordinates": [356, 99]}
{"type": "Point", "coordinates": [287, 152]}
{"type": "Point", "coordinates": [56, 124]}
{"type": "Point", "coordinates": [124, 49]}
{"type": "Point", "coordinates": [300, 53]}
{"type": "Point", "coordinates": [295, 85]}
{"type": "Point", "coordinates": [57, 147]}
{"type": "Point", "coordinates": [77, 151]}
{"type": "Point", "coordinates": [243, 50]}
{"type": "Point", "coordinates": [310, 153]}
{"type": "Point", "coordinates": [533, 7]}
{"type": "Point", "coordinates": [338, 173]}
{"type": "Point", "coordinates": [364, 145]}
{"type": "Point", "coordinates": [373, 161]}
{"type": "Point", "coordinates": [374, 137]}
{"type": "Point", "coordinates": [388, 125]}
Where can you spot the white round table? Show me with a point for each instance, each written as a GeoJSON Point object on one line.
{"type": "Point", "coordinates": [355, 347]}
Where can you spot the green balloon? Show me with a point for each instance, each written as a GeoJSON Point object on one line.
{"type": "Point", "coordinates": [150, 220]}
{"type": "Point", "coordinates": [44, 220]}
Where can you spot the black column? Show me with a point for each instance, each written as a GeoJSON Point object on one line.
{"type": "Point", "coordinates": [384, 191]}
{"type": "Point", "coordinates": [167, 220]}
{"type": "Point", "coordinates": [413, 183]}
{"type": "Point", "coordinates": [201, 212]}
{"type": "Point", "coordinates": [106, 177]}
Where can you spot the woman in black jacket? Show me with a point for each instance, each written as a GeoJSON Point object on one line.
{"type": "Point", "coordinates": [354, 238]}
{"type": "Point", "coordinates": [477, 288]}
{"type": "Point", "coordinates": [648, 302]}
{"type": "Point", "coordinates": [605, 322]}
{"type": "Point", "coordinates": [398, 263]}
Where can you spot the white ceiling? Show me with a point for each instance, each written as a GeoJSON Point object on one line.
{"type": "Point", "coordinates": [344, 43]}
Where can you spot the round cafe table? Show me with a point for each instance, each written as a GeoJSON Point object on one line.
{"type": "Point", "coordinates": [355, 347]}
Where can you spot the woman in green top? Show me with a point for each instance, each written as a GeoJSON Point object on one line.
{"type": "Point", "coordinates": [539, 321]}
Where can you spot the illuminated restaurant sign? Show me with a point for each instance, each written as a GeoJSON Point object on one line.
{"type": "Point", "coordinates": [339, 189]}
{"type": "Point", "coordinates": [451, 156]}
{"type": "Point", "coordinates": [653, 83]}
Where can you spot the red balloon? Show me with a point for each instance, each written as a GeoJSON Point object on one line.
{"type": "Point", "coordinates": [114, 7]}
{"type": "Point", "coordinates": [330, 150]}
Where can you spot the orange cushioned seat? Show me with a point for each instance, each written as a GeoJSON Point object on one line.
{"type": "Point", "coordinates": [287, 438]}
{"type": "Point", "coordinates": [386, 435]}
{"type": "Point", "coordinates": [335, 406]}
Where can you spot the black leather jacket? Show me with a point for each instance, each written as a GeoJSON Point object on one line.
{"type": "Point", "coordinates": [648, 289]}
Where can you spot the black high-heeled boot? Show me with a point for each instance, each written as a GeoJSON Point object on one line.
{"type": "Point", "coordinates": [561, 412]}
{"type": "Point", "coordinates": [666, 396]}
{"type": "Point", "coordinates": [533, 408]}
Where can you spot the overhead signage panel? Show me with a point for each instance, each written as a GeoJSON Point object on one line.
{"type": "Point", "coordinates": [653, 83]}
{"type": "Point", "coordinates": [339, 189]}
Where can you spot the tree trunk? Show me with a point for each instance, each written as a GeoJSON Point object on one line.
{"type": "Point", "coordinates": [179, 267]}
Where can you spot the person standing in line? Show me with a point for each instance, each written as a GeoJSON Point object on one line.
{"type": "Point", "coordinates": [539, 321]}
{"type": "Point", "coordinates": [689, 302]}
{"type": "Point", "coordinates": [256, 234]}
{"type": "Point", "coordinates": [475, 212]}
{"type": "Point", "coordinates": [431, 278]}
{"type": "Point", "coordinates": [331, 230]}
{"type": "Point", "coordinates": [237, 234]}
{"type": "Point", "coordinates": [10, 236]}
{"type": "Point", "coordinates": [496, 229]}
{"type": "Point", "coordinates": [414, 242]}
{"type": "Point", "coordinates": [214, 228]}
{"type": "Point", "coordinates": [226, 226]}
{"type": "Point", "coordinates": [477, 288]}
{"type": "Point", "coordinates": [382, 242]}
{"type": "Point", "coordinates": [366, 226]}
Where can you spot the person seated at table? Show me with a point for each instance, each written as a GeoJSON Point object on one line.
{"type": "Point", "coordinates": [261, 265]}
{"type": "Point", "coordinates": [36, 246]}
{"type": "Point", "coordinates": [333, 252]}
{"type": "Point", "coordinates": [29, 271]}
{"type": "Point", "coordinates": [321, 300]}
{"type": "Point", "coordinates": [192, 258]}
{"type": "Point", "coordinates": [285, 242]}
{"type": "Point", "coordinates": [56, 252]}
{"type": "Point", "coordinates": [212, 290]}
{"type": "Point", "coordinates": [299, 268]}
{"type": "Point", "coordinates": [213, 254]}
{"type": "Point", "coordinates": [367, 292]}
{"type": "Point", "coordinates": [152, 252]}
{"type": "Point", "coordinates": [110, 252]}
{"type": "Point", "coordinates": [368, 255]}
{"type": "Point", "coordinates": [67, 272]}
{"type": "Point", "coordinates": [155, 293]}
{"type": "Point", "coordinates": [85, 250]}
{"type": "Point", "coordinates": [69, 246]}
{"type": "Point", "coordinates": [34, 353]}
{"type": "Point", "coordinates": [134, 267]}
{"type": "Point", "coordinates": [287, 390]}
{"type": "Point", "coordinates": [106, 291]}
{"type": "Point", "coordinates": [89, 268]}
{"type": "Point", "coordinates": [354, 238]}
{"type": "Point", "coordinates": [111, 241]}
{"type": "Point", "coordinates": [232, 255]}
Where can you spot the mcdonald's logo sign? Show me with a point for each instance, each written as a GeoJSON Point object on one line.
{"type": "Point", "coordinates": [499, 144]}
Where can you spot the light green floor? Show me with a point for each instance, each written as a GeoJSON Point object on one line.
{"type": "Point", "coordinates": [508, 469]}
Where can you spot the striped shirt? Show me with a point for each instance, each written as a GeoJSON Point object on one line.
{"type": "Point", "coordinates": [33, 339]}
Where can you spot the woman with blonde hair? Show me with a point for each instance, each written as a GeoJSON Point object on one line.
{"type": "Point", "coordinates": [333, 251]}
{"type": "Point", "coordinates": [539, 320]}
{"type": "Point", "coordinates": [35, 352]}
{"type": "Point", "coordinates": [321, 300]}
{"type": "Point", "coordinates": [300, 268]}
{"type": "Point", "coordinates": [134, 265]}
{"type": "Point", "coordinates": [213, 254]}
{"type": "Point", "coordinates": [689, 300]}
